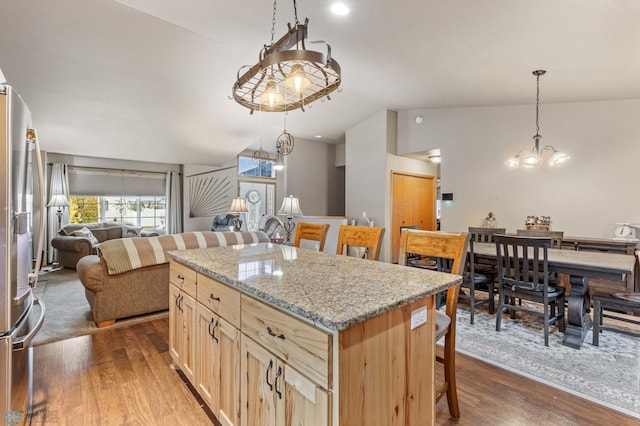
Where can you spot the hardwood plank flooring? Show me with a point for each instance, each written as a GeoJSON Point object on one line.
{"type": "Point", "coordinates": [125, 376]}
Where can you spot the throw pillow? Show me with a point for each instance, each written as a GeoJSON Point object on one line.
{"type": "Point", "coordinates": [131, 231]}
{"type": "Point", "coordinates": [86, 233]}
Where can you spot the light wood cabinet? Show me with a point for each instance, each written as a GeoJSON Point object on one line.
{"type": "Point", "coordinates": [217, 369]}
{"type": "Point", "coordinates": [305, 347]}
{"type": "Point", "coordinates": [275, 394]}
{"type": "Point", "coordinates": [256, 364]}
{"type": "Point", "coordinates": [182, 319]}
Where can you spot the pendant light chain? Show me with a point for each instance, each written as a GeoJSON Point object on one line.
{"type": "Point", "coordinates": [538, 105]}
{"type": "Point", "coordinates": [273, 21]}
{"type": "Point", "coordinates": [295, 11]}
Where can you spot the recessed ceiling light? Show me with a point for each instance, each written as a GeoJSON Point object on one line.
{"type": "Point", "coordinates": [318, 136]}
{"type": "Point", "coordinates": [340, 9]}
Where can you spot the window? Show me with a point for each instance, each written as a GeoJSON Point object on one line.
{"type": "Point", "coordinates": [149, 212]}
{"type": "Point", "coordinates": [247, 166]}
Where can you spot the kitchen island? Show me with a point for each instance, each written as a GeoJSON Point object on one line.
{"type": "Point", "coordinates": [271, 334]}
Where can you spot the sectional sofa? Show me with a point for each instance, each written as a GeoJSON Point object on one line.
{"type": "Point", "coordinates": [130, 276]}
{"type": "Point", "coordinates": [75, 241]}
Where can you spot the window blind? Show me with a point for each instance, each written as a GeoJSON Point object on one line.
{"type": "Point", "coordinates": [111, 182]}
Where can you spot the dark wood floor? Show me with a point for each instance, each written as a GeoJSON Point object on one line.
{"type": "Point", "coordinates": [125, 376]}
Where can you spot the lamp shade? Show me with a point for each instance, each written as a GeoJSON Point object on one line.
{"type": "Point", "coordinates": [58, 200]}
{"type": "Point", "coordinates": [290, 206]}
{"type": "Point", "coordinates": [238, 205]}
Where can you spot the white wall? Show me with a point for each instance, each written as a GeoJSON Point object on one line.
{"type": "Point", "coordinates": [370, 159]}
{"type": "Point", "coordinates": [585, 197]}
{"type": "Point", "coordinates": [331, 242]}
{"type": "Point", "coordinates": [311, 175]}
{"type": "Point", "coordinates": [366, 160]}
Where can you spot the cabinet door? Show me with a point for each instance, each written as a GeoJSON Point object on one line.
{"type": "Point", "coordinates": [228, 362]}
{"type": "Point", "coordinates": [175, 324]}
{"type": "Point", "coordinates": [182, 319]}
{"type": "Point", "coordinates": [259, 369]}
{"type": "Point", "coordinates": [187, 339]}
{"type": "Point", "coordinates": [206, 362]}
{"type": "Point", "coordinates": [305, 402]}
{"type": "Point", "coordinates": [218, 365]}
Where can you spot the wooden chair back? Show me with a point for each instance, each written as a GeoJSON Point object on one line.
{"type": "Point", "coordinates": [481, 271]}
{"type": "Point", "coordinates": [484, 235]}
{"type": "Point", "coordinates": [442, 245]}
{"type": "Point", "coordinates": [556, 236]}
{"type": "Point", "coordinates": [523, 274]}
{"type": "Point", "coordinates": [436, 244]}
{"type": "Point", "coordinates": [523, 261]}
{"type": "Point", "coordinates": [313, 232]}
{"type": "Point", "coordinates": [360, 236]}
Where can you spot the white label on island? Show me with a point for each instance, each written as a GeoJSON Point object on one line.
{"type": "Point", "coordinates": [418, 317]}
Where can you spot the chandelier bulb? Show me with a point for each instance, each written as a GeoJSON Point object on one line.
{"type": "Point", "coordinates": [297, 79]}
{"type": "Point", "coordinates": [271, 94]}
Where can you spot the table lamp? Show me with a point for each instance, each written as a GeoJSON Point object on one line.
{"type": "Point", "coordinates": [290, 207]}
{"type": "Point", "coordinates": [238, 205]}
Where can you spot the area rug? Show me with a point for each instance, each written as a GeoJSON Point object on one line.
{"type": "Point", "coordinates": [67, 311]}
{"type": "Point", "coordinates": [608, 374]}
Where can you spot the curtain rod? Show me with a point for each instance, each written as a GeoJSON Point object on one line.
{"type": "Point", "coordinates": [110, 169]}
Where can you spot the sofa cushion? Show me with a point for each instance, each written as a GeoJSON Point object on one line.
{"type": "Point", "coordinates": [129, 231]}
{"type": "Point", "coordinates": [126, 254]}
{"type": "Point", "coordinates": [84, 232]}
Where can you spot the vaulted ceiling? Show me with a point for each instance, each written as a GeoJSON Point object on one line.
{"type": "Point", "coordinates": [151, 80]}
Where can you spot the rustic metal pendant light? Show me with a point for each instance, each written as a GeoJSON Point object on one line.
{"type": "Point", "coordinates": [535, 156]}
{"type": "Point", "coordinates": [287, 75]}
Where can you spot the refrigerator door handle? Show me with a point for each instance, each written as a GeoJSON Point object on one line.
{"type": "Point", "coordinates": [24, 341]}
{"type": "Point", "coordinates": [32, 136]}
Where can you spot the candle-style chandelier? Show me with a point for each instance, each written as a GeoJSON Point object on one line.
{"type": "Point", "coordinates": [531, 158]}
{"type": "Point", "coordinates": [287, 76]}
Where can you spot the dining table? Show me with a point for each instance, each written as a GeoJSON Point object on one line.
{"type": "Point", "coordinates": [580, 266]}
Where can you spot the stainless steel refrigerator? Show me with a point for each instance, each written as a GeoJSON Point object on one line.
{"type": "Point", "coordinates": [20, 315]}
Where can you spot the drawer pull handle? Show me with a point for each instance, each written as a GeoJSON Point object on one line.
{"type": "Point", "coordinates": [180, 277]}
{"type": "Point", "coordinates": [277, 336]}
{"type": "Point", "coordinates": [278, 374]}
{"type": "Point", "coordinates": [268, 370]}
{"type": "Point", "coordinates": [212, 297]}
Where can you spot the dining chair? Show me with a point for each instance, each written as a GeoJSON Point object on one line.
{"type": "Point", "coordinates": [556, 243]}
{"type": "Point", "coordinates": [312, 232]}
{"type": "Point", "coordinates": [556, 236]}
{"type": "Point", "coordinates": [451, 246]}
{"type": "Point", "coordinates": [523, 274]}
{"type": "Point", "coordinates": [369, 238]}
{"type": "Point", "coordinates": [481, 274]}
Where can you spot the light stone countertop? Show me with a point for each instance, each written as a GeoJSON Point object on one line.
{"type": "Point", "coordinates": [332, 291]}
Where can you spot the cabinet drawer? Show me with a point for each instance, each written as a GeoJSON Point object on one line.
{"type": "Point", "coordinates": [220, 298]}
{"type": "Point", "coordinates": [301, 345]}
{"type": "Point", "coordinates": [183, 278]}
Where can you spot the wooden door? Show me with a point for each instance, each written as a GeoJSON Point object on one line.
{"type": "Point", "coordinates": [258, 403]}
{"type": "Point", "coordinates": [413, 203]}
